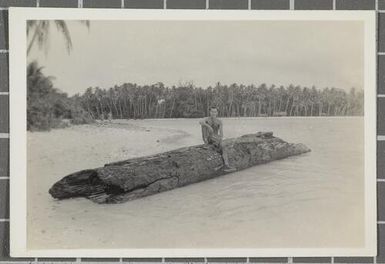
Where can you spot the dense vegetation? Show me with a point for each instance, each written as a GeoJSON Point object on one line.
{"type": "Point", "coordinates": [187, 101]}
{"type": "Point", "coordinates": [48, 107]}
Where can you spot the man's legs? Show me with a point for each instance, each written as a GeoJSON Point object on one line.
{"type": "Point", "coordinates": [217, 142]}
{"type": "Point", "coordinates": [225, 158]}
{"type": "Point", "coordinates": [205, 134]}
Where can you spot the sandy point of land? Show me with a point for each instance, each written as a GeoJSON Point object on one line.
{"type": "Point", "coordinates": [96, 144]}
{"type": "Point", "coordinates": [59, 152]}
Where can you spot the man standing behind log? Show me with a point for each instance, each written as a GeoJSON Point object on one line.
{"type": "Point", "coordinates": [212, 133]}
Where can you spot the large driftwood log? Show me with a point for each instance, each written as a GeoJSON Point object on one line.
{"type": "Point", "coordinates": [134, 178]}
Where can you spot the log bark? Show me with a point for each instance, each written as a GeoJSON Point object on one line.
{"type": "Point", "coordinates": [138, 177]}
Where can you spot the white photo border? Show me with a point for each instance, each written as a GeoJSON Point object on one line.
{"type": "Point", "coordinates": [18, 129]}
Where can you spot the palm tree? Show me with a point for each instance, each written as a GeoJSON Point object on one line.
{"type": "Point", "coordinates": [34, 73]}
{"type": "Point", "coordinates": [290, 94]}
{"type": "Point", "coordinates": [38, 84]}
{"type": "Point", "coordinates": [262, 97]}
{"type": "Point", "coordinates": [88, 94]}
{"type": "Point", "coordinates": [38, 32]}
{"type": "Point", "coordinates": [314, 99]}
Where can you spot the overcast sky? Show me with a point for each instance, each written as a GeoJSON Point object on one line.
{"type": "Point", "coordinates": [324, 54]}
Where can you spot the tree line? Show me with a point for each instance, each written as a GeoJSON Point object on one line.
{"type": "Point", "coordinates": [130, 100]}
{"type": "Point", "coordinates": [47, 106]}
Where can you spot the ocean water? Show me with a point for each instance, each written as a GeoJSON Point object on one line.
{"type": "Point", "coordinates": [312, 200]}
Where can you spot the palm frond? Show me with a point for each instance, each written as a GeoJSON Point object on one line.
{"type": "Point", "coordinates": [31, 24]}
{"type": "Point", "coordinates": [43, 34]}
{"type": "Point", "coordinates": [38, 32]}
{"type": "Point", "coordinates": [33, 69]}
{"type": "Point", "coordinates": [61, 25]}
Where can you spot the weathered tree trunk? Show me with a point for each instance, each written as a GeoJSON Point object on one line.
{"type": "Point", "coordinates": [134, 178]}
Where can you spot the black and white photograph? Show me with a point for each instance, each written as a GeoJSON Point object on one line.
{"type": "Point", "coordinates": [187, 133]}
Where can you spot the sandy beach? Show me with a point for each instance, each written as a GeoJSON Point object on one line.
{"type": "Point", "coordinates": [308, 197]}
{"type": "Point", "coordinates": [54, 154]}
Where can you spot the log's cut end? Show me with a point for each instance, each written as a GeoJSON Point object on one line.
{"type": "Point", "coordinates": [135, 178]}
{"type": "Point", "coordinates": [78, 184]}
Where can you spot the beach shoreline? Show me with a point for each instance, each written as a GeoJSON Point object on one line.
{"type": "Point", "coordinates": [265, 202]}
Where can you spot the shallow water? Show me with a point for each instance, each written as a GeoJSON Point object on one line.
{"type": "Point", "coordinates": [311, 200]}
